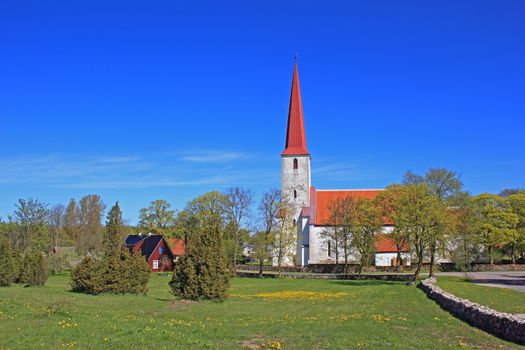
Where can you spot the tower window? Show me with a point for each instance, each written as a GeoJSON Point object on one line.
{"type": "Point", "coordinates": [295, 163]}
{"type": "Point", "coordinates": [295, 193]}
{"type": "Point", "coordinates": [294, 222]}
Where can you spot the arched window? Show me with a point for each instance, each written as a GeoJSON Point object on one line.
{"type": "Point", "coordinates": [294, 222]}
{"type": "Point", "coordinates": [295, 193]}
{"type": "Point", "coordinates": [295, 163]}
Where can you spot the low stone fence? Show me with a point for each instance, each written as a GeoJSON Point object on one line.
{"type": "Point", "coordinates": [503, 325]}
{"type": "Point", "coordinates": [353, 268]}
{"type": "Point", "coordinates": [297, 275]}
{"type": "Point", "coordinates": [321, 268]}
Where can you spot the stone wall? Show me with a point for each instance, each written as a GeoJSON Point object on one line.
{"type": "Point", "coordinates": [384, 277]}
{"type": "Point", "coordinates": [503, 325]}
{"type": "Point", "coordinates": [332, 268]}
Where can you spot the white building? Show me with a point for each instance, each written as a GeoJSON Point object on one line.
{"type": "Point", "coordinates": [310, 205]}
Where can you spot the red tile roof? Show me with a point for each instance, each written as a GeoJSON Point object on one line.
{"type": "Point", "coordinates": [177, 246]}
{"type": "Point", "coordinates": [386, 244]}
{"type": "Point", "coordinates": [295, 135]}
{"type": "Point", "coordinates": [320, 200]}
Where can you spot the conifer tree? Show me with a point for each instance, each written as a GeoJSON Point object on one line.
{"type": "Point", "coordinates": [7, 264]}
{"type": "Point", "coordinates": [201, 273]}
{"type": "Point", "coordinates": [113, 235]}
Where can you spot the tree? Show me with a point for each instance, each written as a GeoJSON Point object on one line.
{"type": "Point", "coordinates": [114, 234]}
{"type": "Point", "coordinates": [31, 230]}
{"type": "Point", "coordinates": [119, 273]}
{"type": "Point", "coordinates": [55, 220]}
{"type": "Point", "coordinates": [268, 211]}
{"type": "Point", "coordinates": [366, 222]}
{"type": "Point", "coordinates": [517, 203]}
{"type": "Point", "coordinates": [72, 221]}
{"type": "Point", "coordinates": [388, 203]}
{"type": "Point", "coordinates": [510, 191]}
{"type": "Point", "coordinates": [158, 218]}
{"type": "Point", "coordinates": [441, 182]}
{"type": "Point", "coordinates": [33, 271]}
{"type": "Point", "coordinates": [201, 272]}
{"type": "Point", "coordinates": [465, 241]}
{"type": "Point", "coordinates": [261, 248]}
{"type": "Point", "coordinates": [332, 234]}
{"type": "Point", "coordinates": [286, 236]}
{"type": "Point", "coordinates": [446, 186]}
{"type": "Point", "coordinates": [7, 263]}
{"type": "Point", "coordinates": [238, 204]}
{"type": "Point", "coordinates": [495, 221]}
{"type": "Point", "coordinates": [419, 216]}
{"type": "Point", "coordinates": [90, 218]}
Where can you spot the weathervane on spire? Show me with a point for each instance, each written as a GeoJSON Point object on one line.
{"type": "Point", "coordinates": [295, 57]}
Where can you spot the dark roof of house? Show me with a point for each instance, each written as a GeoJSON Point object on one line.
{"type": "Point", "coordinates": [149, 245]}
{"type": "Point", "coordinates": [134, 239]}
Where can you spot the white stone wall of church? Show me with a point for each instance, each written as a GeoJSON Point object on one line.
{"type": "Point", "coordinates": [318, 253]}
{"type": "Point", "coordinates": [385, 259]}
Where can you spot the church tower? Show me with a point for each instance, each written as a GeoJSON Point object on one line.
{"type": "Point", "coordinates": [296, 164]}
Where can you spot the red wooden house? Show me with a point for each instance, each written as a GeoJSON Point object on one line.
{"type": "Point", "coordinates": [156, 250]}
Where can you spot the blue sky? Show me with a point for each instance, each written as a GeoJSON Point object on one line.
{"type": "Point", "coordinates": [139, 100]}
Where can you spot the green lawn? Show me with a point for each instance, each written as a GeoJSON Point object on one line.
{"type": "Point", "coordinates": [261, 313]}
{"type": "Point", "coordinates": [501, 299]}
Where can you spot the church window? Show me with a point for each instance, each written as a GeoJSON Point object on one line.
{"type": "Point", "coordinates": [329, 249]}
{"type": "Point", "coordinates": [295, 193]}
{"type": "Point", "coordinates": [295, 163]}
{"type": "Point", "coordinates": [294, 222]}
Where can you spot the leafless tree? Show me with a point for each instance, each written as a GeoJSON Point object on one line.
{"type": "Point", "coordinates": [238, 205]}
{"type": "Point", "coordinates": [268, 210]}
{"type": "Point", "coordinates": [55, 220]}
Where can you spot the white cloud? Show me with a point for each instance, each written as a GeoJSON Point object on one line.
{"type": "Point", "coordinates": [132, 172]}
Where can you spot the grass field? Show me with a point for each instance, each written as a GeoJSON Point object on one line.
{"type": "Point", "coordinates": [501, 299]}
{"type": "Point", "coordinates": [260, 314]}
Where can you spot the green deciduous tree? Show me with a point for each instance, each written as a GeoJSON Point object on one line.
{"type": "Point", "coordinates": [366, 222]}
{"type": "Point", "coordinates": [495, 222]}
{"type": "Point", "coordinates": [419, 216]}
{"type": "Point", "coordinates": [158, 218]}
{"type": "Point", "coordinates": [30, 231]}
{"type": "Point", "coordinates": [517, 203]}
{"type": "Point", "coordinates": [388, 203]}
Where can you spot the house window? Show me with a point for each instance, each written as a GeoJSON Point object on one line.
{"type": "Point", "coordinates": [329, 249]}
{"type": "Point", "coordinates": [295, 163]}
{"type": "Point", "coordinates": [295, 193]}
{"type": "Point", "coordinates": [155, 264]}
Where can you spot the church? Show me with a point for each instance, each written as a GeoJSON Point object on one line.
{"type": "Point", "coordinates": [309, 204]}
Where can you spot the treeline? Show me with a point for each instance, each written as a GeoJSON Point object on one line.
{"type": "Point", "coordinates": [35, 226]}
{"type": "Point", "coordinates": [435, 218]}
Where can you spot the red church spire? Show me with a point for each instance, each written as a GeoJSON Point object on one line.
{"type": "Point", "coordinates": [295, 135]}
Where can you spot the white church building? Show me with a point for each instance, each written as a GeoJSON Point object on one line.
{"type": "Point", "coordinates": [309, 204]}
